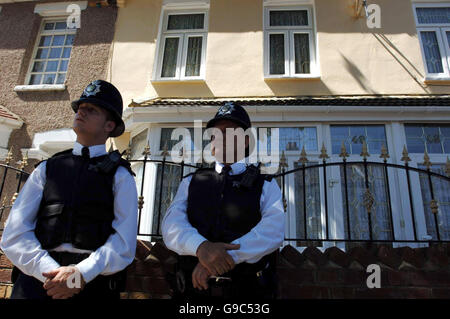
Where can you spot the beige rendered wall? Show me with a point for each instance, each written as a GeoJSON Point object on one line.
{"type": "Point", "coordinates": [353, 58]}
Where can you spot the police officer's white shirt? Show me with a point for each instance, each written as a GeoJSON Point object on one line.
{"type": "Point", "coordinates": [21, 246]}
{"type": "Point", "coordinates": [264, 238]}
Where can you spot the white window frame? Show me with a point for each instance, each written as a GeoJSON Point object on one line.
{"type": "Point", "coordinates": [289, 48]}
{"type": "Point", "coordinates": [43, 32]}
{"type": "Point", "coordinates": [417, 159]}
{"type": "Point", "coordinates": [440, 30]}
{"type": "Point", "coordinates": [184, 36]}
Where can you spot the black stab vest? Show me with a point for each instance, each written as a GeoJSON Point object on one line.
{"type": "Point", "coordinates": [222, 212]}
{"type": "Point", "coordinates": [77, 206]}
{"type": "Point", "coordinates": [219, 209]}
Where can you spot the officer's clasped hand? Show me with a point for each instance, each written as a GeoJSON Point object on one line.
{"type": "Point", "coordinates": [56, 282]}
{"type": "Point", "coordinates": [215, 258]}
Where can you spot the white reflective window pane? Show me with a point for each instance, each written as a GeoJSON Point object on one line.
{"type": "Point", "coordinates": [63, 65]}
{"type": "Point", "coordinates": [60, 25]}
{"type": "Point", "coordinates": [354, 136]}
{"type": "Point", "coordinates": [58, 40]}
{"type": "Point", "coordinates": [66, 53]}
{"type": "Point", "coordinates": [433, 15]}
{"type": "Point", "coordinates": [42, 53]}
{"type": "Point", "coordinates": [45, 41]}
{"type": "Point", "coordinates": [38, 67]}
{"type": "Point", "coordinates": [61, 78]}
{"type": "Point", "coordinates": [35, 79]}
{"type": "Point", "coordinates": [49, 26]}
{"type": "Point", "coordinates": [432, 54]}
{"type": "Point", "coordinates": [52, 66]}
{"type": "Point", "coordinates": [69, 39]}
{"type": "Point", "coordinates": [49, 78]}
{"type": "Point", "coordinates": [55, 53]}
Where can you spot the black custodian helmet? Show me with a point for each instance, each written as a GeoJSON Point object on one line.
{"type": "Point", "coordinates": [106, 96]}
{"type": "Point", "coordinates": [233, 112]}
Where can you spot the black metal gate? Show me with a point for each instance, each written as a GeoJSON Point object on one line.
{"type": "Point", "coordinates": [437, 207]}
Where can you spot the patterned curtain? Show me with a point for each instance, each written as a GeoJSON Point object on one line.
{"type": "Point", "coordinates": [442, 196]}
{"type": "Point", "coordinates": [313, 206]}
{"type": "Point", "coordinates": [171, 180]}
{"type": "Point", "coordinates": [358, 214]}
{"type": "Point", "coordinates": [289, 18]}
{"type": "Point", "coordinates": [169, 66]}
{"type": "Point", "coordinates": [277, 53]}
{"type": "Point", "coordinates": [433, 15]}
{"type": "Point", "coordinates": [302, 59]}
{"type": "Point", "coordinates": [185, 21]}
{"type": "Point", "coordinates": [194, 56]}
{"type": "Point", "coordinates": [432, 53]}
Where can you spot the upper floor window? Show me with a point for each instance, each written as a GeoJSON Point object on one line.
{"type": "Point", "coordinates": [289, 47]}
{"type": "Point", "coordinates": [51, 55]}
{"type": "Point", "coordinates": [182, 47]}
{"type": "Point", "coordinates": [433, 27]}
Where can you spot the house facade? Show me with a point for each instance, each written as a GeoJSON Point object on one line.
{"type": "Point", "coordinates": [317, 70]}
{"type": "Point", "coordinates": [45, 63]}
{"type": "Point", "coordinates": [341, 83]}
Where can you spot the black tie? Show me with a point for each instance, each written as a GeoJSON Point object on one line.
{"type": "Point", "coordinates": [85, 152]}
{"type": "Point", "coordinates": [225, 170]}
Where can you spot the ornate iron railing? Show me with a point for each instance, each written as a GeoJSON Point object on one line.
{"type": "Point", "coordinates": [367, 193]}
{"type": "Point", "coordinates": [20, 178]}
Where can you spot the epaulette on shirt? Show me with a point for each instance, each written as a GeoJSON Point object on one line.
{"type": "Point", "coordinates": [267, 177]}
{"type": "Point", "coordinates": [202, 169]}
{"type": "Point", "coordinates": [62, 153]}
{"type": "Point", "coordinates": [127, 165]}
{"type": "Point", "coordinates": [121, 162]}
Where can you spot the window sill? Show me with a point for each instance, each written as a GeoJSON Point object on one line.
{"type": "Point", "coordinates": [436, 80]}
{"type": "Point", "coordinates": [296, 78]}
{"type": "Point", "coordinates": [197, 80]}
{"type": "Point", "coordinates": [41, 87]}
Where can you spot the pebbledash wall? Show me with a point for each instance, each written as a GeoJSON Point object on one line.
{"type": "Point", "coordinates": [46, 110]}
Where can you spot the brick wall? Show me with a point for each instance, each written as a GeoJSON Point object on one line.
{"type": "Point", "coordinates": [5, 277]}
{"type": "Point", "coordinates": [405, 272]}
{"type": "Point", "coordinates": [421, 273]}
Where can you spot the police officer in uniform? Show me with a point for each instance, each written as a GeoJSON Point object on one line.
{"type": "Point", "coordinates": [226, 223]}
{"type": "Point", "coordinates": [72, 230]}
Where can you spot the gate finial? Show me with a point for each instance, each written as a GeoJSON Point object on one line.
{"type": "Point", "coordinates": [426, 160]}
{"type": "Point", "coordinates": [303, 159]}
{"type": "Point", "coordinates": [9, 157]}
{"type": "Point", "coordinates": [384, 153]}
{"type": "Point", "coordinates": [323, 152]}
{"type": "Point", "coordinates": [364, 153]}
{"type": "Point", "coordinates": [344, 153]}
{"type": "Point", "coordinates": [405, 156]}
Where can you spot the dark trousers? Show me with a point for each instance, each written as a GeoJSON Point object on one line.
{"type": "Point", "coordinates": [101, 287]}
{"type": "Point", "coordinates": [27, 287]}
{"type": "Point", "coordinates": [245, 287]}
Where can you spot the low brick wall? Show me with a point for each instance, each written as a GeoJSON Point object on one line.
{"type": "Point", "coordinates": [5, 277]}
{"type": "Point", "coordinates": [422, 273]}
{"type": "Point", "coordinates": [405, 272]}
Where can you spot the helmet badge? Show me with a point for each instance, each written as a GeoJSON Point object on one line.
{"type": "Point", "coordinates": [92, 89]}
{"type": "Point", "coordinates": [226, 109]}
